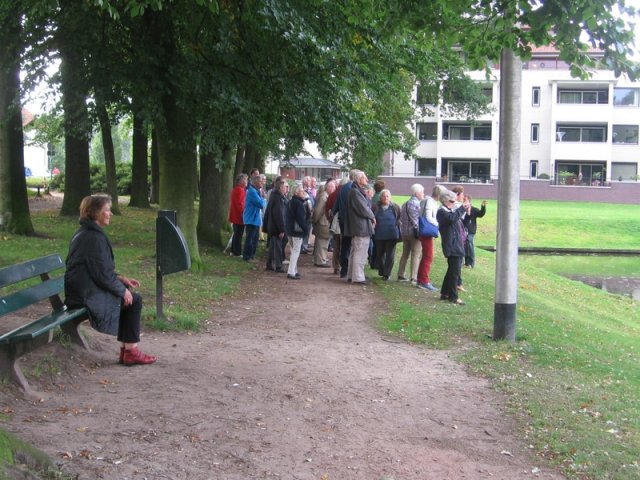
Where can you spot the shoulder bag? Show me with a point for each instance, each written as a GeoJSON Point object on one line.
{"type": "Point", "coordinates": [426, 228]}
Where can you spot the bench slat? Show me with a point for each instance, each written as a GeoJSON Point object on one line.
{"type": "Point", "coordinates": [43, 325]}
{"type": "Point", "coordinates": [32, 268]}
{"type": "Point", "coordinates": [31, 295]}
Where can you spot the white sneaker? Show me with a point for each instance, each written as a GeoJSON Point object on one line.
{"type": "Point", "coordinates": [285, 262]}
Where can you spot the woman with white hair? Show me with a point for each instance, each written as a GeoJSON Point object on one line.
{"type": "Point", "coordinates": [453, 235]}
{"type": "Point", "coordinates": [411, 246]}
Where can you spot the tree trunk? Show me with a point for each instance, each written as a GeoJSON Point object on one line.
{"type": "Point", "coordinates": [250, 155]}
{"type": "Point", "coordinates": [109, 156]}
{"type": "Point", "coordinates": [77, 128]}
{"type": "Point", "coordinates": [239, 167]}
{"type": "Point", "coordinates": [215, 187]}
{"type": "Point", "coordinates": [226, 184]}
{"type": "Point", "coordinates": [207, 234]}
{"type": "Point", "coordinates": [155, 169]}
{"type": "Point", "coordinates": [14, 204]}
{"type": "Point", "coordinates": [177, 162]}
{"type": "Point", "coordinates": [139, 174]}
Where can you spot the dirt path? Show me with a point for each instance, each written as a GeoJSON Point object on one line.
{"type": "Point", "coordinates": [292, 381]}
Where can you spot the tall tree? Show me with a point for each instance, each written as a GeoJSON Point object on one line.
{"type": "Point", "coordinates": [14, 205]}
{"type": "Point", "coordinates": [109, 154]}
{"type": "Point", "coordinates": [75, 91]}
{"type": "Point", "coordinates": [139, 164]}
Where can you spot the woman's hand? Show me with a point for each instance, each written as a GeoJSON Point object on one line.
{"type": "Point", "coordinates": [129, 282]}
{"type": "Point", "coordinates": [128, 298]}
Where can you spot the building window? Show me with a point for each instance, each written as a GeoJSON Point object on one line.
{"type": "Point", "coordinates": [427, 131]}
{"type": "Point", "coordinates": [426, 167]}
{"type": "Point", "coordinates": [488, 92]}
{"type": "Point", "coordinates": [456, 131]}
{"type": "Point", "coordinates": [533, 168]}
{"type": "Point", "coordinates": [577, 173]}
{"type": "Point", "coordinates": [473, 171]}
{"type": "Point", "coordinates": [535, 96]}
{"type": "Point", "coordinates": [579, 133]}
{"type": "Point", "coordinates": [625, 134]}
{"type": "Point", "coordinates": [589, 97]}
{"type": "Point", "coordinates": [623, 171]}
{"type": "Point", "coordinates": [535, 132]}
{"type": "Point", "coordinates": [626, 97]}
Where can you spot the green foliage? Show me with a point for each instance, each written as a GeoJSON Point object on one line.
{"type": "Point", "coordinates": [18, 459]}
{"type": "Point", "coordinates": [99, 179]}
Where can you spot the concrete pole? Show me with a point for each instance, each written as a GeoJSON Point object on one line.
{"type": "Point", "coordinates": [504, 321]}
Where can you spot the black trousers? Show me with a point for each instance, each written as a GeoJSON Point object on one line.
{"type": "Point", "coordinates": [385, 255]}
{"type": "Point", "coordinates": [345, 251]}
{"type": "Point", "coordinates": [451, 278]}
{"type": "Point", "coordinates": [129, 326]}
{"type": "Point", "coordinates": [275, 252]}
{"type": "Point", "coordinates": [236, 241]}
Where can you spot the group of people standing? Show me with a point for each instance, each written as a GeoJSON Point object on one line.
{"type": "Point", "coordinates": [452, 212]}
{"type": "Point", "coordinates": [361, 224]}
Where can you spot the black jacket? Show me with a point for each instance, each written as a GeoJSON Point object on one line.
{"type": "Point", "coordinates": [451, 231]}
{"type": "Point", "coordinates": [275, 215]}
{"type": "Point", "coordinates": [298, 218]}
{"type": "Point", "coordinates": [470, 220]}
{"type": "Point", "coordinates": [91, 280]}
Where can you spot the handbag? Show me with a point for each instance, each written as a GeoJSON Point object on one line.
{"type": "Point", "coordinates": [334, 228]}
{"type": "Point", "coordinates": [425, 228]}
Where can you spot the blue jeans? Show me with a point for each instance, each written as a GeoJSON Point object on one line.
{"type": "Point", "coordinates": [250, 241]}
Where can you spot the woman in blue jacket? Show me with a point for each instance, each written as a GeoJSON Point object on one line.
{"type": "Point", "coordinates": [252, 218]}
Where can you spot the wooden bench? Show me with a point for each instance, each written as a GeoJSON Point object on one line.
{"type": "Point", "coordinates": [34, 333]}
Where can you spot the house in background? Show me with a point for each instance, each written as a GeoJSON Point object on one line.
{"type": "Point", "coordinates": [296, 168]}
{"type": "Point", "coordinates": [574, 133]}
{"type": "Point", "coordinates": [36, 161]}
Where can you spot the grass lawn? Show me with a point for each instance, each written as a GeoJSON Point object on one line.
{"type": "Point", "coordinates": [572, 377]}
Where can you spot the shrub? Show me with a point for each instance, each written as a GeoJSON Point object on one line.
{"type": "Point", "coordinates": [98, 177]}
{"type": "Point", "coordinates": [543, 176]}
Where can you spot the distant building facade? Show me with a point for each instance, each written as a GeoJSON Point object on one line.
{"type": "Point", "coordinates": [296, 168]}
{"type": "Point", "coordinates": [36, 161]}
{"type": "Point", "coordinates": [574, 133]}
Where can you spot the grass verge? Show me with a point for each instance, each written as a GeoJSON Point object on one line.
{"type": "Point", "coordinates": [571, 377]}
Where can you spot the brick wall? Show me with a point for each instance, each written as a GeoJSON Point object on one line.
{"type": "Point", "coordinates": [618, 192]}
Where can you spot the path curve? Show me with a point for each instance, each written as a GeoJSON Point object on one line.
{"type": "Point", "coordinates": [291, 380]}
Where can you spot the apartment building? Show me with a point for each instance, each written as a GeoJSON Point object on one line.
{"type": "Point", "coordinates": [574, 133]}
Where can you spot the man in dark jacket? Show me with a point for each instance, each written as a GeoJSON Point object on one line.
{"type": "Point", "coordinates": [358, 224]}
{"type": "Point", "coordinates": [340, 208]}
{"type": "Point", "coordinates": [275, 222]}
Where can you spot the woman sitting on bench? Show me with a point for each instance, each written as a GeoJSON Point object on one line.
{"type": "Point", "coordinates": [91, 281]}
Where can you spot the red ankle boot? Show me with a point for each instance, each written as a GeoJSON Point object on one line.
{"type": "Point", "coordinates": [134, 356]}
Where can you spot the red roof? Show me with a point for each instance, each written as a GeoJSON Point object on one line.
{"type": "Point", "coordinates": [27, 117]}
